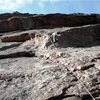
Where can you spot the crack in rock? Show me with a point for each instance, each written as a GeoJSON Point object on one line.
{"type": "Point", "coordinates": [18, 54]}
{"type": "Point", "coordinates": [62, 95]}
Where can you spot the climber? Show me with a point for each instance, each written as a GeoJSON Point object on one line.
{"type": "Point", "coordinates": [55, 37]}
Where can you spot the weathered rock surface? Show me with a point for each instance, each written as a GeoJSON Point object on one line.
{"type": "Point", "coordinates": [80, 36]}
{"type": "Point", "coordinates": [84, 36]}
{"type": "Point", "coordinates": [27, 21]}
{"type": "Point", "coordinates": [54, 74]}
{"type": "Point", "coordinates": [17, 37]}
{"type": "Point", "coordinates": [18, 54]}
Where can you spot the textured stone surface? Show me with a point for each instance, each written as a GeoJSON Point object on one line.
{"type": "Point", "coordinates": [88, 35]}
{"type": "Point", "coordinates": [53, 74]}
{"type": "Point", "coordinates": [80, 36]}
{"type": "Point", "coordinates": [17, 37]}
{"type": "Point", "coordinates": [15, 22]}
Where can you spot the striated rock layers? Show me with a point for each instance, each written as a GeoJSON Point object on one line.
{"type": "Point", "coordinates": [27, 22]}
{"type": "Point", "coordinates": [30, 71]}
{"type": "Point", "coordinates": [75, 36]}
{"type": "Point", "coordinates": [17, 37]}
{"type": "Point", "coordinates": [31, 68]}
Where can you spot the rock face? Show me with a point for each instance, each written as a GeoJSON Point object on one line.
{"type": "Point", "coordinates": [83, 36]}
{"type": "Point", "coordinates": [14, 24]}
{"type": "Point", "coordinates": [80, 36]}
{"type": "Point", "coordinates": [31, 68]}
{"type": "Point", "coordinates": [18, 54]}
{"type": "Point", "coordinates": [27, 22]}
{"type": "Point", "coordinates": [49, 78]}
{"type": "Point", "coordinates": [17, 37]}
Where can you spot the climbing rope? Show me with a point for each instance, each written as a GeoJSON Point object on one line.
{"type": "Point", "coordinates": [74, 74]}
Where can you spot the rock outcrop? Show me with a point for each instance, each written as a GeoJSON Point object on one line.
{"type": "Point", "coordinates": [32, 68]}
{"type": "Point", "coordinates": [27, 22]}
{"type": "Point", "coordinates": [21, 37]}
{"type": "Point", "coordinates": [56, 77]}
{"type": "Point", "coordinates": [82, 36]}
{"type": "Point", "coordinates": [18, 54]}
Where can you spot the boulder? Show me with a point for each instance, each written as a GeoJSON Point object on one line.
{"type": "Point", "coordinates": [80, 36]}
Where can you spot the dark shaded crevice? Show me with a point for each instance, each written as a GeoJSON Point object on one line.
{"type": "Point", "coordinates": [96, 93]}
{"type": "Point", "coordinates": [86, 97]}
{"type": "Point", "coordinates": [8, 47]}
{"type": "Point", "coordinates": [95, 59]}
{"type": "Point", "coordinates": [97, 98]}
{"type": "Point", "coordinates": [18, 54]}
{"type": "Point", "coordinates": [62, 95]}
{"type": "Point", "coordinates": [85, 67]}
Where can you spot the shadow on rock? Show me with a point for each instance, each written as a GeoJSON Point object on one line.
{"type": "Point", "coordinates": [8, 47]}
{"type": "Point", "coordinates": [18, 54]}
{"type": "Point", "coordinates": [62, 95]}
{"type": "Point", "coordinates": [84, 36]}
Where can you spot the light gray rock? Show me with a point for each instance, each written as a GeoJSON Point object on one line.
{"type": "Point", "coordinates": [54, 74]}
